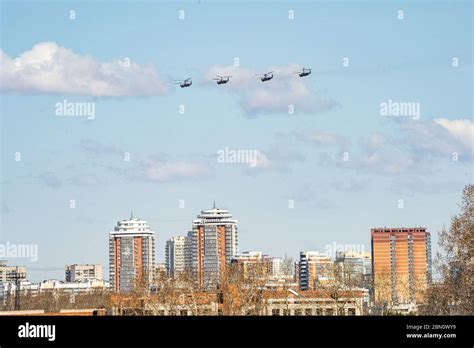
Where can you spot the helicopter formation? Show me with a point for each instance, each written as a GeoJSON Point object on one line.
{"type": "Point", "coordinates": [220, 80]}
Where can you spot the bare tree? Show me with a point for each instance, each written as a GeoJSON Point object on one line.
{"type": "Point", "coordinates": [383, 292]}
{"type": "Point", "coordinates": [342, 285]}
{"type": "Point", "coordinates": [241, 288]}
{"type": "Point", "coordinates": [454, 292]}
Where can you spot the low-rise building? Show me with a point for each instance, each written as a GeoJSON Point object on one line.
{"type": "Point", "coordinates": [82, 273]}
{"type": "Point", "coordinates": [252, 264]}
{"type": "Point", "coordinates": [9, 288]}
{"type": "Point", "coordinates": [267, 303]}
{"type": "Point", "coordinates": [11, 273]}
{"type": "Point", "coordinates": [310, 302]}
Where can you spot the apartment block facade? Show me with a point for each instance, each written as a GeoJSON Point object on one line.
{"type": "Point", "coordinates": [214, 243]}
{"type": "Point", "coordinates": [11, 273]}
{"type": "Point", "coordinates": [356, 267]}
{"type": "Point", "coordinates": [314, 268]}
{"type": "Point", "coordinates": [131, 254]}
{"type": "Point", "coordinates": [175, 255]}
{"type": "Point", "coordinates": [401, 264]}
{"type": "Point", "coordinates": [83, 273]}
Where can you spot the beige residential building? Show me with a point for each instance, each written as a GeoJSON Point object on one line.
{"type": "Point", "coordinates": [11, 273]}
{"type": "Point", "coordinates": [83, 273]}
{"type": "Point", "coordinates": [314, 268]}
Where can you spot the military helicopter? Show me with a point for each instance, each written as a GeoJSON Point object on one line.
{"type": "Point", "coordinates": [304, 72]}
{"type": "Point", "coordinates": [222, 79]}
{"type": "Point", "coordinates": [184, 83]}
{"type": "Point", "coordinates": [266, 77]}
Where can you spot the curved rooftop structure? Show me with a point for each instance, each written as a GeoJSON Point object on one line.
{"type": "Point", "coordinates": [133, 225]}
{"type": "Point", "coordinates": [214, 215]}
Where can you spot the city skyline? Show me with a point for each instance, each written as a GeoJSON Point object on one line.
{"type": "Point", "coordinates": [371, 142]}
{"type": "Point", "coordinates": [329, 252]}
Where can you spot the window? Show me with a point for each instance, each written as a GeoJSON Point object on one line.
{"type": "Point", "coordinates": [351, 311]}
{"type": "Point", "coordinates": [183, 312]}
{"type": "Point", "coordinates": [308, 311]}
{"type": "Point", "coordinates": [298, 312]}
{"type": "Point", "coordinates": [286, 312]}
{"type": "Point", "coordinates": [275, 312]}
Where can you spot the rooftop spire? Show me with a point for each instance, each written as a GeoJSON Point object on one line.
{"type": "Point", "coordinates": [131, 215]}
{"type": "Point", "coordinates": [214, 204]}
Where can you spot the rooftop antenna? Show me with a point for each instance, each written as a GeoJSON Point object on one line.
{"type": "Point", "coordinates": [214, 204]}
{"type": "Point", "coordinates": [131, 215]}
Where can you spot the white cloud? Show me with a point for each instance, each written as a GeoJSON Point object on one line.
{"type": "Point", "coordinates": [164, 171]}
{"type": "Point", "coordinates": [388, 161]}
{"type": "Point", "coordinates": [376, 154]}
{"type": "Point", "coordinates": [415, 150]}
{"type": "Point", "coordinates": [286, 88]}
{"type": "Point", "coordinates": [441, 138]}
{"type": "Point", "coordinates": [463, 130]}
{"type": "Point", "coordinates": [51, 69]}
{"type": "Point", "coordinates": [374, 142]}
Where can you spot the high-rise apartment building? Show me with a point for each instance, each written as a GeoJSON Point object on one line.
{"type": "Point", "coordinates": [214, 243]}
{"type": "Point", "coordinates": [401, 264]}
{"type": "Point", "coordinates": [83, 273]}
{"type": "Point", "coordinates": [131, 254]}
{"type": "Point", "coordinates": [314, 269]}
{"type": "Point", "coordinates": [175, 253]}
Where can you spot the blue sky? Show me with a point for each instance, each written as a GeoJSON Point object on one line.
{"type": "Point", "coordinates": [173, 155]}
